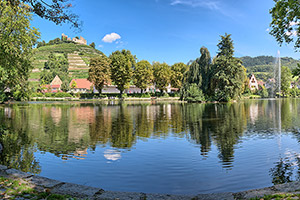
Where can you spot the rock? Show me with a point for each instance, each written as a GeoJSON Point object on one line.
{"type": "Point", "coordinates": [216, 196]}
{"type": "Point", "coordinates": [17, 173]}
{"type": "Point", "coordinates": [43, 182]}
{"type": "Point", "coordinates": [75, 190]}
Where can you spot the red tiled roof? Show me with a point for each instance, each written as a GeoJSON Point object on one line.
{"type": "Point", "coordinates": [82, 83]}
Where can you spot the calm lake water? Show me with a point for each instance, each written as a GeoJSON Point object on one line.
{"type": "Point", "coordinates": [156, 147]}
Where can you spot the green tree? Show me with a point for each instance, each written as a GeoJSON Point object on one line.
{"type": "Point", "coordinates": [56, 65]}
{"type": "Point", "coordinates": [286, 79]}
{"type": "Point", "coordinates": [162, 75]}
{"type": "Point", "coordinates": [93, 45]}
{"type": "Point", "coordinates": [143, 74]}
{"type": "Point", "coordinates": [65, 86]}
{"type": "Point", "coordinates": [99, 72]}
{"type": "Point", "coordinates": [122, 64]}
{"type": "Point", "coordinates": [285, 21]}
{"type": "Point", "coordinates": [17, 38]}
{"type": "Point", "coordinates": [178, 70]}
{"type": "Point", "coordinates": [56, 11]}
{"type": "Point", "coordinates": [229, 73]}
{"type": "Point", "coordinates": [199, 74]}
{"type": "Point", "coordinates": [74, 84]}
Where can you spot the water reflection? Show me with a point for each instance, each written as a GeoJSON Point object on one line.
{"type": "Point", "coordinates": [71, 131]}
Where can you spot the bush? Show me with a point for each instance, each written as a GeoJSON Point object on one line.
{"type": "Point", "coordinates": [37, 94]}
{"type": "Point", "coordinates": [62, 94]}
{"type": "Point", "coordinates": [194, 94]}
{"type": "Point", "coordinates": [49, 94]}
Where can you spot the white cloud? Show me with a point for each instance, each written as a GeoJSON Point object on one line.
{"type": "Point", "coordinates": [109, 38]}
{"type": "Point", "coordinates": [111, 154]}
{"type": "Point", "coordinates": [100, 46]}
{"type": "Point", "coordinates": [267, 29]}
{"type": "Point", "coordinates": [210, 4]}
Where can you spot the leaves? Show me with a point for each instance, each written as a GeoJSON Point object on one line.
{"type": "Point", "coordinates": [99, 72]}
{"type": "Point", "coordinates": [16, 41]}
{"type": "Point", "coordinates": [143, 74]}
{"type": "Point", "coordinates": [162, 74]}
{"type": "Point", "coordinates": [122, 65]}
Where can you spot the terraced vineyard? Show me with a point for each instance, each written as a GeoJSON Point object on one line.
{"type": "Point", "coordinates": [78, 58]}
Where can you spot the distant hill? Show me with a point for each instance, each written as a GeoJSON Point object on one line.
{"type": "Point", "coordinates": [78, 56]}
{"type": "Point", "coordinates": [263, 66]}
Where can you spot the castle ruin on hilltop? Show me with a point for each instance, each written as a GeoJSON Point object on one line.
{"type": "Point", "coordinates": [81, 40]}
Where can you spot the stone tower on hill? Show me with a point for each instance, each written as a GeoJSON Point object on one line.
{"type": "Point", "coordinates": [81, 40]}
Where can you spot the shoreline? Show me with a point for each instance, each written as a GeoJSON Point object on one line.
{"type": "Point", "coordinates": [52, 186]}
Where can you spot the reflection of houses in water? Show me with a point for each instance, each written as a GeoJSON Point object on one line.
{"type": "Point", "coordinates": [253, 112]}
{"type": "Point", "coordinates": [79, 120]}
{"type": "Point", "coordinates": [79, 154]}
{"type": "Point", "coordinates": [56, 114]}
{"type": "Point", "coordinates": [7, 112]}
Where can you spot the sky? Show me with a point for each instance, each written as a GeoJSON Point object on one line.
{"type": "Point", "coordinates": [171, 31]}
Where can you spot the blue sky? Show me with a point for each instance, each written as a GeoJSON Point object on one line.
{"type": "Point", "coordinates": [172, 30]}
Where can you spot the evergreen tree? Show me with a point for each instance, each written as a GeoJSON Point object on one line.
{"type": "Point", "coordinates": [228, 72]}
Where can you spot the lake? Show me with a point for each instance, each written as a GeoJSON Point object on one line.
{"type": "Point", "coordinates": [174, 148]}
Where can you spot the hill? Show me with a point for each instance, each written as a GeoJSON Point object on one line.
{"type": "Point", "coordinates": [263, 66]}
{"type": "Point", "coordinates": [78, 57]}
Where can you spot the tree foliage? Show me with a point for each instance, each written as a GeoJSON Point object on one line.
{"type": "Point", "coordinates": [162, 75]}
{"type": "Point", "coordinates": [99, 72]}
{"type": "Point", "coordinates": [143, 74]}
{"type": "Point", "coordinates": [229, 73]}
{"type": "Point", "coordinates": [286, 79]}
{"type": "Point", "coordinates": [17, 38]}
{"type": "Point", "coordinates": [178, 70]}
{"type": "Point", "coordinates": [56, 11]}
{"type": "Point", "coordinates": [285, 21]}
{"type": "Point", "coordinates": [93, 45]}
{"type": "Point", "coordinates": [199, 74]}
{"type": "Point", "coordinates": [56, 65]}
{"type": "Point", "coordinates": [122, 65]}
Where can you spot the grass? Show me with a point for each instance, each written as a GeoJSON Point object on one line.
{"type": "Point", "coordinates": [14, 189]}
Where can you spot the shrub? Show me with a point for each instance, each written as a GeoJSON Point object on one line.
{"type": "Point", "coordinates": [62, 94]}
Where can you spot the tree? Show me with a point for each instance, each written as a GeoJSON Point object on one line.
{"type": "Point", "coordinates": [93, 45]}
{"type": "Point", "coordinates": [17, 38]}
{"type": "Point", "coordinates": [56, 11]}
{"type": "Point", "coordinates": [74, 84]}
{"type": "Point", "coordinates": [143, 74]}
{"type": "Point", "coordinates": [162, 75]}
{"type": "Point", "coordinates": [285, 21]}
{"type": "Point", "coordinates": [56, 65]}
{"type": "Point", "coordinates": [199, 74]}
{"type": "Point", "coordinates": [122, 65]}
{"type": "Point", "coordinates": [65, 86]}
{"type": "Point", "coordinates": [286, 79]}
{"type": "Point", "coordinates": [229, 73]}
{"type": "Point", "coordinates": [178, 70]}
{"type": "Point", "coordinates": [99, 72]}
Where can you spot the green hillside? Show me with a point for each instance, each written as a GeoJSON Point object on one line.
{"type": "Point", "coordinates": [263, 66]}
{"type": "Point", "coordinates": [78, 55]}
